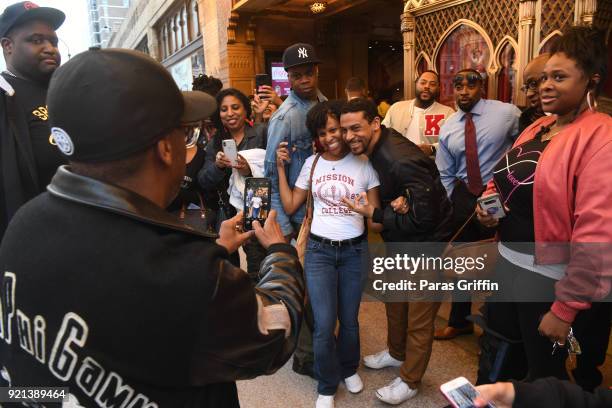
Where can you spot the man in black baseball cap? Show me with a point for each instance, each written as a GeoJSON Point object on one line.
{"type": "Point", "coordinates": [288, 125]}
{"type": "Point", "coordinates": [28, 157]}
{"type": "Point", "coordinates": [137, 308]}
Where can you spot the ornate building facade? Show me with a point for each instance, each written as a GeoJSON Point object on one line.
{"type": "Point", "coordinates": [386, 42]}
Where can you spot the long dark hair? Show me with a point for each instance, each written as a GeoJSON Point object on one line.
{"type": "Point", "coordinates": [222, 132]}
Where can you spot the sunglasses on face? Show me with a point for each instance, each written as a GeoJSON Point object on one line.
{"type": "Point", "coordinates": [470, 77]}
{"type": "Point", "coordinates": [531, 85]}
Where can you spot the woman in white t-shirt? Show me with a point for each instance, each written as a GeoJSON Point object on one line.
{"type": "Point", "coordinates": [336, 255]}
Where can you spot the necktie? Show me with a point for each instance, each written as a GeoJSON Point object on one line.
{"type": "Point", "coordinates": [471, 157]}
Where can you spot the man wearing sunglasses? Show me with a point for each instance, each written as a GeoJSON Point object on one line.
{"type": "Point", "coordinates": [531, 88]}
{"type": "Point", "coordinates": [471, 143]}
{"type": "Point", "coordinates": [29, 156]}
{"type": "Point", "coordinates": [113, 297]}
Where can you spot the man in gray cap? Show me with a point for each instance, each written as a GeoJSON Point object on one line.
{"type": "Point", "coordinates": [115, 298]}
{"type": "Point", "coordinates": [288, 124]}
{"type": "Point", "coordinates": [28, 157]}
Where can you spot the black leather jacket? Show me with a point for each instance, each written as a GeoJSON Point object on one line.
{"type": "Point", "coordinates": [133, 297]}
{"type": "Point", "coordinates": [404, 170]}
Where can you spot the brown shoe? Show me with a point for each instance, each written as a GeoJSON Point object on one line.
{"type": "Point", "coordinates": [449, 332]}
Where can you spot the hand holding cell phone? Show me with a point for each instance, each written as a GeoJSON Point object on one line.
{"type": "Point", "coordinates": [283, 155]}
{"type": "Point", "coordinates": [462, 394]}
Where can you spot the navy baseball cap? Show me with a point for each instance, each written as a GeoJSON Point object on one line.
{"type": "Point", "coordinates": [107, 104]}
{"type": "Point", "coordinates": [25, 11]}
{"type": "Point", "coordinates": [299, 54]}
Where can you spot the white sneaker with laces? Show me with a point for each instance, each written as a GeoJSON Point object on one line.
{"type": "Point", "coordinates": [381, 360]}
{"type": "Point", "coordinates": [325, 401]}
{"type": "Point", "coordinates": [396, 392]}
{"type": "Point", "coordinates": [353, 383]}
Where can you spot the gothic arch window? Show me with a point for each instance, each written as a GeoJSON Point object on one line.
{"type": "Point", "coordinates": [506, 76]}
{"type": "Point", "coordinates": [422, 64]}
{"type": "Point", "coordinates": [547, 44]}
{"type": "Point", "coordinates": [463, 47]}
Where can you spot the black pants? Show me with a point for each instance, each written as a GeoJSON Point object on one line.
{"type": "Point", "coordinates": [464, 203]}
{"type": "Point", "coordinates": [520, 321]}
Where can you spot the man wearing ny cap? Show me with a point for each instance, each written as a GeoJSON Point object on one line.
{"type": "Point", "coordinates": [115, 298]}
{"type": "Point", "coordinates": [288, 124]}
{"type": "Point", "coordinates": [28, 156]}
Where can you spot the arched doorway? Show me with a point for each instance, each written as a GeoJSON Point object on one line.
{"type": "Point", "coordinates": [506, 78]}
{"type": "Point", "coordinates": [463, 48]}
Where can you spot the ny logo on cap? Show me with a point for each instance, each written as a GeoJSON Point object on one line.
{"type": "Point", "coordinates": [302, 53]}
{"type": "Point", "coordinates": [28, 5]}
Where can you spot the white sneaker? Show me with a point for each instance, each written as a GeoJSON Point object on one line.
{"type": "Point", "coordinates": [381, 360]}
{"type": "Point", "coordinates": [396, 392]}
{"type": "Point", "coordinates": [353, 383]}
{"type": "Point", "coordinates": [325, 401]}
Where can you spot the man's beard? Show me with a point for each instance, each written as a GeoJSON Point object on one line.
{"type": "Point", "coordinates": [426, 102]}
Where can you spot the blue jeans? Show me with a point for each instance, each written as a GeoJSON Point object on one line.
{"type": "Point", "coordinates": [335, 277]}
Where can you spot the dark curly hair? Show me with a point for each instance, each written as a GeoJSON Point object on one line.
{"type": "Point", "coordinates": [222, 133]}
{"type": "Point", "coordinates": [208, 84]}
{"type": "Point", "coordinates": [586, 46]}
{"type": "Point", "coordinates": [317, 116]}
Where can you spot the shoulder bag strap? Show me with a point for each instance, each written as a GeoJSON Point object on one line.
{"type": "Point", "coordinates": [460, 230]}
{"type": "Point", "coordinates": [309, 202]}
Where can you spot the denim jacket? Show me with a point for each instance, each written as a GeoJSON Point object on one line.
{"type": "Point", "coordinates": [289, 124]}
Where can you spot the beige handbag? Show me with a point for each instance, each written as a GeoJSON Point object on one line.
{"type": "Point", "coordinates": [485, 250]}
{"type": "Point", "coordinates": [302, 238]}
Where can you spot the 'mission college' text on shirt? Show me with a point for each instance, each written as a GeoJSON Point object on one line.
{"type": "Point", "coordinates": [331, 181]}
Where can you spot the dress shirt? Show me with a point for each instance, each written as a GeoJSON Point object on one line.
{"type": "Point", "coordinates": [497, 125]}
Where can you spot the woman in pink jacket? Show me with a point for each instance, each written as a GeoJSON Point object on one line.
{"type": "Point", "coordinates": [554, 185]}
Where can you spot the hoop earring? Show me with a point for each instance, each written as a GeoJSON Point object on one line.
{"type": "Point", "coordinates": [592, 107]}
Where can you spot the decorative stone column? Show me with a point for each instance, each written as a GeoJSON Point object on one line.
{"type": "Point", "coordinates": [408, 25]}
{"type": "Point", "coordinates": [153, 43]}
{"type": "Point", "coordinates": [585, 11]}
{"type": "Point", "coordinates": [526, 46]}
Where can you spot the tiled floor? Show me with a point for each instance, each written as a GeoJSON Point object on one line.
{"type": "Point", "coordinates": [450, 359]}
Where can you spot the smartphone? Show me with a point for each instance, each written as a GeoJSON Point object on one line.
{"type": "Point", "coordinates": [461, 393]}
{"type": "Point", "coordinates": [492, 205]}
{"type": "Point", "coordinates": [262, 79]}
{"type": "Point", "coordinates": [230, 150]}
{"type": "Point", "coordinates": [257, 198]}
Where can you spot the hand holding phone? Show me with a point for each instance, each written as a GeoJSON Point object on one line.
{"type": "Point", "coordinates": [461, 393]}
{"type": "Point", "coordinates": [257, 199]}
{"type": "Point", "coordinates": [230, 150]}
{"type": "Point", "coordinates": [262, 80]}
{"type": "Point", "coordinates": [492, 205]}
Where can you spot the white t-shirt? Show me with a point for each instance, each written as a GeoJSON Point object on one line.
{"type": "Point", "coordinates": [333, 180]}
{"type": "Point", "coordinates": [256, 202]}
{"type": "Point", "coordinates": [414, 130]}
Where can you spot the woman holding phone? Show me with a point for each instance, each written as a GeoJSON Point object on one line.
{"type": "Point", "coordinates": [335, 260]}
{"type": "Point", "coordinates": [233, 110]}
{"type": "Point", "coordinates": [554, 192]}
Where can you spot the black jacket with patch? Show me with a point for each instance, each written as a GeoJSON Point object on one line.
{"type": "Point", "coordinates": [107, 294]}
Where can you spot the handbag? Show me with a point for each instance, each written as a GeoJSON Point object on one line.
{"type": "Point", "coordinates": [485, 250]}
{"type": "Point", "coordinates": [196, 218]}
{"type": "Point", "coordinates": [302, 238]}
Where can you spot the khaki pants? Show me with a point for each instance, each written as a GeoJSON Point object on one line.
{"type": "Point", "coordinates": [410, 330]}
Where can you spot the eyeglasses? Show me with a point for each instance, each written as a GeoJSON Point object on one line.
{"type": "Point", "coordinates": [192, 135]}
{"type": "Point", "coordinates": [470, 77]}
{"type": "Point", "coordinates": [531, 85]}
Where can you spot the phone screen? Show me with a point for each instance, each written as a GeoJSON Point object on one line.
{"type": "Point", "coordinates": [262, 79]}
{"type": "Point", "coordinates": [463, 396]}
{"type": "Point", "coordinates": [256, 201]}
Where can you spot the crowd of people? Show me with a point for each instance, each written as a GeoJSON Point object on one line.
{"type": "Point", "coordinates": [120, 232]}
